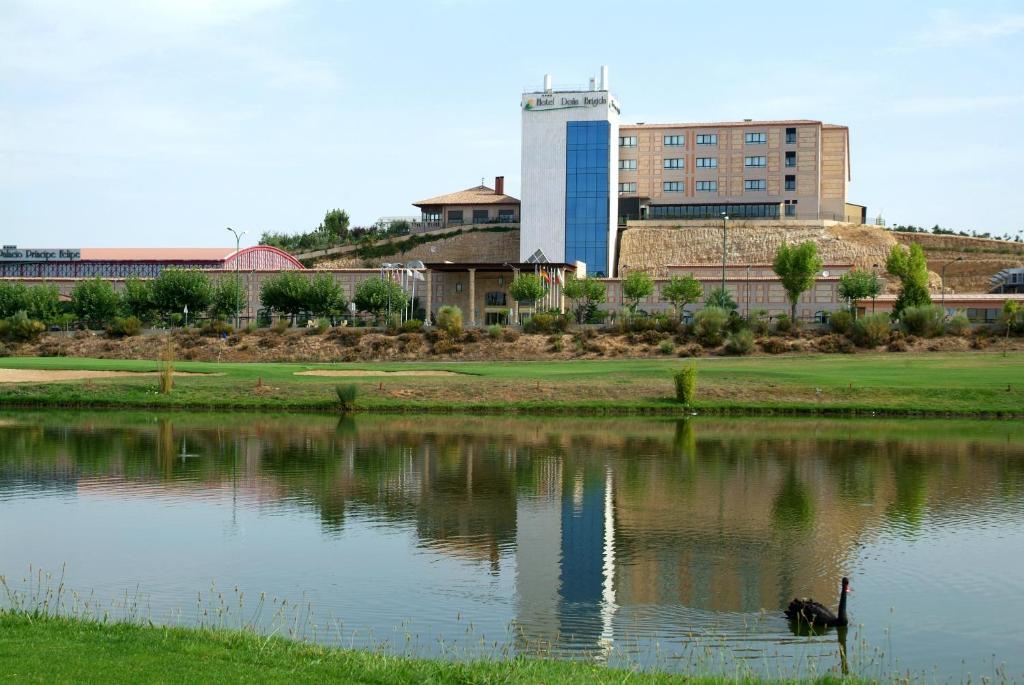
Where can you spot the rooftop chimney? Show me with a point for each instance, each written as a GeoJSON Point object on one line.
{"type": "Point", "coordinates": [499, 185]}
{"type": "Point", "coordinates": [604, 77]}
{"type": "Point", "coordinates": [547, 83]}
{"type": "Point", "coordinates": [593, 86]}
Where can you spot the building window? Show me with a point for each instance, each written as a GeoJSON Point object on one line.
{"type": "Point", "coordinates": [587, 192]}
{"type": "Point", "coordinates": [756, 138]}
{"type": "Point", "coordinates": [790, 182]}
{"type": "Point", "coordinates": [455, 216]}
{"type": "Point", "coordinates": [506, 215]}
{"type": "Point", "coordinates": [790, 136]}
{"type": "Point", "coordinates": [480, 216]}
{"type": "Point", "coordinates": [754, 185]}
{"type": "Point", "coordinates": [627, 141]}
{"type": "Point", "coordinates": [458, 287]}
{"type": "Point", "coordinates": [675, 140]}
{"type": "Point", "coordinates": [707, 186]}
{"type": "Point", "coordinates": [627, 164]}
{"type": "Point", "coordinates": [707, 139]}
{"type": "Point", "coordinates": [431, 216]}
{"type": "Point", "coordinates": [715, 211]}
{"type": "Point", "coordinates": [755, 161]}
{"type": "Point", "coordinates": [707, 162]}
{"type": "Point", "coordinates": [494, 299]}
{"type": "Point", "coordinates": [790, 207]}
{"type": "Point", "coordinates": [627, 187]}
{"type": "Point", "coordinates": [678, 163]}
{"type": "Point", "coordinates": [790, 158]}
{"type": "Point", "coordinates": [672, 186]}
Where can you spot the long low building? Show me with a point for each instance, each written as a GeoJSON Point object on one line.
{"type": "Point", "coordinates": [144, 262]}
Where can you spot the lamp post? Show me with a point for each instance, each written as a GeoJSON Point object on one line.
{"type": "Point", "coordinates": [725, 232]}
{"type": "Point", "coordinates": [238, 308]}
{"type": "Point", "coordinates": [942, 281]}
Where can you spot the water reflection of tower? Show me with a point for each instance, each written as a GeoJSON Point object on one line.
{"type": "Point", "coordinates": [565, 556]}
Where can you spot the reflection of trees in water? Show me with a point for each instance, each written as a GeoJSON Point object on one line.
{"type": "Point", "coordinates": [793, 508]}
{"type": "Point", "coordinates": [911, 476]}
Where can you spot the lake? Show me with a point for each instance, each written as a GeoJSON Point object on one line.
{"type": "Point", "coordinates": [671, 544]}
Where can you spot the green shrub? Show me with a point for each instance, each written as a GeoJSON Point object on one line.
{"type": "Point", "coordinates": [958, 324]}
{"type": "Point", "coordinates": [20, 328]}
{"type": "Point", "coordinates": [667, 347]}
{"type": "Point", "coordinates": [216, 328]}
{"type": "Point", "coordinates": [449, 320]}
{"type": "Point", "coordinates": [124, 327]}
{"type": "Point", "coordinates": [871, 330]}
{"type": "Point", "coordinates": [545, 322]}
{"type": "Point", "coordinates": [280, 326]}
{"type": "Point", "coordinates": [346, 395]}
{"type": "Point", "coordinates": [926, 321]}
{"type": "Point", "coordinates": [757, 321]}
{"type": "Point", "coordinates": [686, 384]}
{"type": "Point", "coordinates": [841, 322]}
{"type": "Point", "coordinates": [740, 342]}
{"type": "Point", "coordinates": [494, 331]}
{"type": "Point", "coordinates": [783, 324]}
{"type": "Point", "coordinates": [709, 324]}
{"type": "Point", "coordinates": [412, 326]}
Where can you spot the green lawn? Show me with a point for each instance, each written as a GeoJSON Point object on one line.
{"type": "Point", "coordinates": [972, 383]}
{"type": "Point", "coordinates": [59, 650]}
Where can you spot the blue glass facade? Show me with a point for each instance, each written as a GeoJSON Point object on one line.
{"type": "Point", "coordinates": [586, 194]}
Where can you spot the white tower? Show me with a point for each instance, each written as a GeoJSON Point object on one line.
{"type": "Point", "coordinates": [570, 175]}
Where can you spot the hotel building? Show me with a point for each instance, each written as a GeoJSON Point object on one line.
{"type": "Point", "coordinates": [794, 169]}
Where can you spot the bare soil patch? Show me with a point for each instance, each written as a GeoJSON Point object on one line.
{"type": "Point", "coordinates": [60, 375]}
{"type": "Point", "coordinates": [352, 373]}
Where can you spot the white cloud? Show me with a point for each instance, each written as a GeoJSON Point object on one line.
{"type": "Point", "coordinates": [948, 29]}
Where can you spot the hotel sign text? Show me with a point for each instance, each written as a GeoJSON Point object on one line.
{"type": "Point", "coordinates": [11, 253]}
{"type": "Point", "coordinates": [564, 101]}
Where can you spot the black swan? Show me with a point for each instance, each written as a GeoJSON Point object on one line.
{"type": "Point", "coordinates": [814, 614]}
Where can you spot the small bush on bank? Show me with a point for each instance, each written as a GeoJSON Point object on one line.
{"type": "Point", "coordinates": [510, 335]}
{"type": "Point", "coordinates": [494, 331]}
{"type": "Point", "coordinates": [412, 326]}
{"type": "Point", "coordinates": [217, 328]}
{"type": "Point", "coordinates": [124, 327]}
{"type": "Point", "coordinates": [757, 321]}
{"type": "Point", "coordinates": [740, 342]}
{"type": "Point", "coordinates": [958, 324]}
{"type": "Point", "coordinates": [841, 322]}
{"type": "Point", "coordinates": [280, 326]}
{"type": "Point", "coordinates": [691, 350]}
{"type": "Point", "coordinates": [834, 343]}
{"type": "Point", "coordinates": [774, 345]}
{"type": "Point", "coordinates": [543, 322]}
{"type": "Point", "coordinates": [871, 330]}
{"type": "Point", "coordinates": [926, 321]}
{"type": "Point", "coordinates": [686, 384]}
{"type": "Point", "coordinates": [445, 344]}
{"type": "Point", "coordinates": [667, 347]}
{"type": "Point", "coordinates": [709, 325]}
{"type": "Point", "coordinates": [346, 396]}
{"type": "Point", "coordinates": [449, 320]}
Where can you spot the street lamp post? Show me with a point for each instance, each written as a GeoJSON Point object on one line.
{"type": "Point", "coordinates": [238, 308]}
{"type": "Point", "coordinates": [725, 231]}
{"type": "Point", "coordinates": [942, 281]}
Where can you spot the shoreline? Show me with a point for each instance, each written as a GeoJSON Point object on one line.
{"type": "Point", "coordinates": [945, 385]}
{"type": "Point", "coordinates": [55, 649]}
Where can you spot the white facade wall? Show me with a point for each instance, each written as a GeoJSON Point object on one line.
{"type": "Point", "coordinates": [542, 213]}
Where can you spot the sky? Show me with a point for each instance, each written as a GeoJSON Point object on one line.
{"type": "Point", "coordinates": [160, 123]}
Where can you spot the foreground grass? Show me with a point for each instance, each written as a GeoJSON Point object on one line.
{"type": "Point", "coordinates": [63, 650]}
{"type": "Point", "coordinates": [969, 384]}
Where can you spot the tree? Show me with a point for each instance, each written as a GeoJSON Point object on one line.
{"type": "Point", "coordinates": [586, 294]}
{"type": "Point", "coordinates": [858, 284]}
{"type": "Point", "coordinates": [137, 299]}
{"type": "Point", "coordinates": [636, 287]}
{"type": "Point", "coordinates": [42, 303]}
{"type": "Point", "coordinates": [287, 293]}
{"type": "Point", "coordinates": [380, 297]}
{"type": "Point", "coordinates": [722, 299]}
{"type": "Point", "coordinates": [681, 291]}
{"type": "Point", "coordinates": [13, 298]}
{"type": "Point", "coordinates": [175, 289]}
{"type": "Point", "coordinates": [797, 268]}
{"type": "Point", "coordinates": [228, 298]}
{"type": "Point", "coordinates": [324, 297]}
{"type": "Point", "coordinates": [1011, 316]}
{"type": "Point", "coordinates": [334, 227]}
{"type": "Point", "coordinates": [911, 268]}
{"type": "Point", "coordinates": [94, 301]}
{"type": "Point", "coordinates": [527, 288]}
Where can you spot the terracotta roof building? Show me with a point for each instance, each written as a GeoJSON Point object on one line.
{"type": "Point", "coordinates": [145, 262]}
{"type": "Point", "coordinates": [477, 205]}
